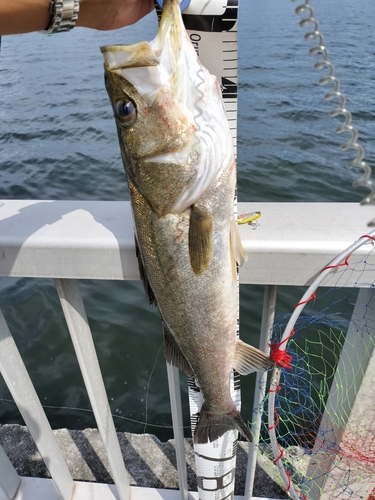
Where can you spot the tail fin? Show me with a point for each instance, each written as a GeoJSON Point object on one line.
{"type": "Point", "coordinates": [213, 425]}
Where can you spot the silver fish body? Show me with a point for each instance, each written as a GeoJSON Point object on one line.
{"type": "Point", "coordinates": [178, 156]}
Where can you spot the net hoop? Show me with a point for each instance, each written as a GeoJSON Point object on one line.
{"type": "Point", "coordinates": [282, 359]}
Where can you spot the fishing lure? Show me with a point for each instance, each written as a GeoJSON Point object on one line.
{"type": "Point", "coordinates": [248, 217]}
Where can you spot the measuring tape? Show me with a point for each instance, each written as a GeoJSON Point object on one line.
{"type": "Point", "coordinates": [214, 37]}
{"type": "Point", "coordinates": [212, 29]}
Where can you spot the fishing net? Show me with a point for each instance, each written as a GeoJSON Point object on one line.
{"type": "Point", "coordinates": [319, 412]}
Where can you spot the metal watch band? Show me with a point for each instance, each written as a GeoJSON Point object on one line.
{"type": "Point", "coordinates": [65, 15]}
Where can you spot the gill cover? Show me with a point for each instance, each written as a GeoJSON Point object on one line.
{"type": "Point", "coordinates": [167, 71]}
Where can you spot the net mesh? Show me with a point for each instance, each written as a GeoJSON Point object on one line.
{"type": "Point", "coordinates": [325, 403]}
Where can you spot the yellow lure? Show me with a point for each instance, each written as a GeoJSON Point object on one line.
{"type": "Point", "coordinates": [248, 217]}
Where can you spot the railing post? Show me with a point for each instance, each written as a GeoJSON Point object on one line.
{"type": "Point", "coordinates": [178, 430]}
{"type": "Point", "coordinates": [9, 479]}
{"type": "Point", "coordinates": [268, 316]}
{"type": "Point", "coordinates": [19, 384]}
{"type": "Point", "coordinates": [83, 343]}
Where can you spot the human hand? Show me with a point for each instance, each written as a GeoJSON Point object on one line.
{"type": "Point", "coordinates": [112, 14]}
{"type": "Point", "coordinates": [25, 16]}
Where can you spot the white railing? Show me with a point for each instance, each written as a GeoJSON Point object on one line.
{"type": "Point", "coordinates": [71, 240]}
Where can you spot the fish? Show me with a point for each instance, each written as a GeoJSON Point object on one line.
{"type": "Point", "coordinates": [179, 160]}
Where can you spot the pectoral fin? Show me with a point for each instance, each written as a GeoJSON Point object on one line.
{"type": "Point", "coordinates": [200, 240]}
{"type": "Point", "coordinates": [249, 359]}
{"type": "Point", "coordinates": [173, 353]}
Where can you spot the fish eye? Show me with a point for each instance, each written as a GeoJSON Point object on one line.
{"type": "Point", "coordinates": [126, 112]}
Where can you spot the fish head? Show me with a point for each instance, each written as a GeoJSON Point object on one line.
{"type": "Point", "coordinates": [170, 118]}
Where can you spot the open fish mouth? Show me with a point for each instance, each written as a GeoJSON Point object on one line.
{"type": "Point", "coordinates": [166, 72]}
{"type": "Point", "coordinates": [152, 66]}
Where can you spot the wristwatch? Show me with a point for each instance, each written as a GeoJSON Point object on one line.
{"type": "Point", "coordinates": [64, 15]}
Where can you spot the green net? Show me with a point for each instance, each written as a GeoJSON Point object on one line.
{"type": "Point", "coordinates": [322, 411]}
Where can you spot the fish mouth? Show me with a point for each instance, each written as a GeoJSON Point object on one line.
{"type": "Point", "coordinates": [167, 75]}
{"type": "Point", "coordinates": [149, 65]}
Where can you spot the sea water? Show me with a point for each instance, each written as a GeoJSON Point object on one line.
{"type": "Point", "coordinates": [58, 141]}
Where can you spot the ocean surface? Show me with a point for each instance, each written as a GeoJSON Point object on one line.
{"type": "Point", "coordinates": [58, 141]}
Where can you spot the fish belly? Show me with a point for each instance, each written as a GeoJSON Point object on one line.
{"type": "Point", "coordinates": [200, 311]}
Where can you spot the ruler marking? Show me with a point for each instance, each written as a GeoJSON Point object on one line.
{"type": "Point", "coordinates": [210, 459]}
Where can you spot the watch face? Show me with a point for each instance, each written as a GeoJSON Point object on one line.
{"type": "Point", "coordinates": [183, 5]}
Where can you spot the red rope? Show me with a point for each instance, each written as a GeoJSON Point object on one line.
{"type": "Point", "coordinates": [345, 263]}
{"type": "Point", "coordinates": [280, 456]}
{"type": "Point", "coordinates": [276, 423]}
{"type": "Point", "coordinates": [275, 390]}
{"type": "Point", "coordinates": [368, 236]}
{"type": "Point", "coordinates": [288, 475]}
{"type": "Point", "coordinates": [313, 297]}
{"type": "Point", "coordinates": [289, 481]}
{"type": "Point", "coordinates": [280, 356]}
